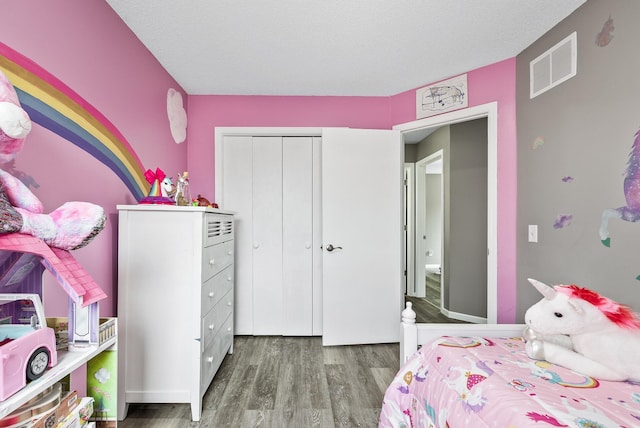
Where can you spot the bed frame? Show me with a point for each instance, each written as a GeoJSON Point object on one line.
{"type": "Point", "coordinates": [412, 335]}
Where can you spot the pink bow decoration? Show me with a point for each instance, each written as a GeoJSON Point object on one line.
{"type": "Point", "coordinates": [151, 176]}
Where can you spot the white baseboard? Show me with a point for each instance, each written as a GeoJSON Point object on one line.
{"type": "Point", "coordinates": [463, 317]}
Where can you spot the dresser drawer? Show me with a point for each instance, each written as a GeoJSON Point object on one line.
{"type": "Point", "coordinates": [214, 354]}
{"type": "Point", "coordinates": [214, 288]}
{"type": "Point", "coordinates": [217, 228]}
{"type": "Point", "coordinates": [215, 258]}
{"type": "Point", "coordinates": [212, 321]}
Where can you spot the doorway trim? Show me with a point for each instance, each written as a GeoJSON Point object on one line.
{"type": "Point", "coordinates": [420, 229]}
{"type": "Point", "coordinates": [490, 111]}
{"type": "Point", "coordinates": [409, 229]}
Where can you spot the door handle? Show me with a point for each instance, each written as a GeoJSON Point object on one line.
{"type": "Point", "coordinates": [331, 248]}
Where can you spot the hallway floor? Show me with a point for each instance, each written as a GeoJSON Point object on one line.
{"type": "Point", "coordinates": [426, 312]}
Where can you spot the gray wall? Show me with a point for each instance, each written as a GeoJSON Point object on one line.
{"type": "Point", "coordinates": [573, 145]}
{"type": "Point", "coordinates": [464, 148]}
{"type": "Point", "coordinates": [466, 268]}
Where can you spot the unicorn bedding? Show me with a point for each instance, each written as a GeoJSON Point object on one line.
{"type": "Point", "coordinates": [477, 382]}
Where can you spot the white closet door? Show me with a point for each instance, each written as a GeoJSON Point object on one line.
{"type": "Point", "coordinates": [237, 181]}
{"type": "Point", "coordinates": [297, 237]}
{"type": "Point", "coordinates": [267, 236]}
{"type": "Point", "coordinates": [362, 213]}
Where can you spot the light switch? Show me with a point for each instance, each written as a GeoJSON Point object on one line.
{"type": "Point", "coordinates": [533, 233]}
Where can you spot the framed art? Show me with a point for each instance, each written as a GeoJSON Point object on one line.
{"type": "Point", "coordinates": [447, 95]}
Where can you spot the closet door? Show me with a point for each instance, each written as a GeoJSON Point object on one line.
{"type": "Point", "coordinates": [297, 236]}
{"type": "Point", "coordinates": [237, 188]}
{"type": "Point", "coordinates": [267, 236]}
{"type": "Point", "coordinates": [273, 186]}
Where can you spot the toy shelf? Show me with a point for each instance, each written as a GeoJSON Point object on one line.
{"type": "Point", "coordinates": [68, 361]}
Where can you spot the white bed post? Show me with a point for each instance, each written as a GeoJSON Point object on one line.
{"type": "Point", "coordinates": [408, 334]}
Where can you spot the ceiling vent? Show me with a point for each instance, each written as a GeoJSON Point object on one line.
{"type": "Point", "coordinates": [553, 67]}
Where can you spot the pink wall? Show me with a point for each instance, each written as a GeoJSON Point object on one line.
{"type": "Point", "coordinates": [87, 46]}
{"type": "Point", "coordinates": [487, 84]}
{"type": "Point", "coordinates": [209, 111]}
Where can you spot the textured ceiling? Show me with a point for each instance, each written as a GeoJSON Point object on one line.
{"type": "Point", "coordinates": [332, 47]}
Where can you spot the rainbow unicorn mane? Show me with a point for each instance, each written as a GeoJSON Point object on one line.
{"type": "Point", "coordinates": [621, 315]}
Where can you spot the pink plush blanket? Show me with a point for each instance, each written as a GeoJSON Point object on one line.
{"type": "Point", "coordinates": [481, 382]}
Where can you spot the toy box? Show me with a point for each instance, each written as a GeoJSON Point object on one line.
{"type": "Point", "coordinates": [67, 404]}
{"type": "Point", "coordinates": [41, 406]}
{"type": "Point", "coordinates": [79, 417]}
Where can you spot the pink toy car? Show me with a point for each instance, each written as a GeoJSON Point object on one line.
{"type": "Point", "coordinates": [27, 345]}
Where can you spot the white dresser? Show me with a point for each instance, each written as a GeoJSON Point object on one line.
{"type": "Point", "coordinates": [175, 302]}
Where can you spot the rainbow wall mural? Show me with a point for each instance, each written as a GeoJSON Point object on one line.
{"type": "Point", "coordinates": [53, 105]}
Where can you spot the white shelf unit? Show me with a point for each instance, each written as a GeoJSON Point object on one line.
{"type": "Point", "coordinates": [68, 361]}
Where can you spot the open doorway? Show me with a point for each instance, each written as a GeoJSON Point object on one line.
{"type": "Point", "coordinates": [419, 130]}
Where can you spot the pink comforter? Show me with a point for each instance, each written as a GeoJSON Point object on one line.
{"type": "Point", "coordinates": [476, 382]}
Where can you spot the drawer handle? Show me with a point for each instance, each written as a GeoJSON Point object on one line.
{"type": "Point", "coordinates": [229, 278]}
{"type": "Point", "coordinates": [228, 303]}
{"type": "Point", "coordinates": [209, 359]}
{"type": "Point", "coordinates": [211, 293]}
{"type": "Point", "coordinates": [229, 329]}
{"type": "Point", "coordinates": [212, 262]}
{"type": "Point", "coordinates": [211, 326]}
{"type": "Point", "coordinates": [229, 252]}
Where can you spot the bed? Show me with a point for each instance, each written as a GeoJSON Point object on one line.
{"type": "Point", "coordinates": [471, 375]}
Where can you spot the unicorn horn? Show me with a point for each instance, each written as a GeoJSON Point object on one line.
{"type": "Point", "coordinates": [548, 292]}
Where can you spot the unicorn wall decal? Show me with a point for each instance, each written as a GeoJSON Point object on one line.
{"type": "Point", "coordinates": [630, 212]}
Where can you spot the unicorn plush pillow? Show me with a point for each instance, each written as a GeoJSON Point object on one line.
{"type": "Point", "coordinates": [604, 335]}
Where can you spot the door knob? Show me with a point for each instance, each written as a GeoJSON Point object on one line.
{"type": "Point", "coordinates": [331, 248]}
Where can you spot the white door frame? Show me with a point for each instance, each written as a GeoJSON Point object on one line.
{"type": "Point", "coordinates": [409, 231]}
{"type": "Point", "coordinates": [420, 202]}
{"type": "Point", "coordinates": [490, 111]}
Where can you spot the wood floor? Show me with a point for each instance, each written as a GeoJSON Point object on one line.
{"type": "Point", "coordinates": [274, 381]}
{"type": "Point", "coordinates": [426, 312]}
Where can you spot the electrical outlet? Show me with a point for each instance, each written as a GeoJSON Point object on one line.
{"type": "Point", "coordinates": [533, 233]}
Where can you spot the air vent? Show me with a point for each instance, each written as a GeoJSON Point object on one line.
{"type": "Point", "coordinates": [553, 67]}
{"type": "Point", "coordinates": [219, 228]}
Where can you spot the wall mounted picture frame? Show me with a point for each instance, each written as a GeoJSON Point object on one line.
{"type": "Point", "coordinates": [444, 96]}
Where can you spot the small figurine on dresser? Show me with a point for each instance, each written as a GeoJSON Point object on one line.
{"type": "Point", "coordinates": [183, 192]}
{"type": "Point", "coordinates": [71, 226]}
{"type": "Point", "coordinates": [201, 201]}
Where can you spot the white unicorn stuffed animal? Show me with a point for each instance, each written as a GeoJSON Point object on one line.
{"type": "Point", "coordinates": [605, 335]}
